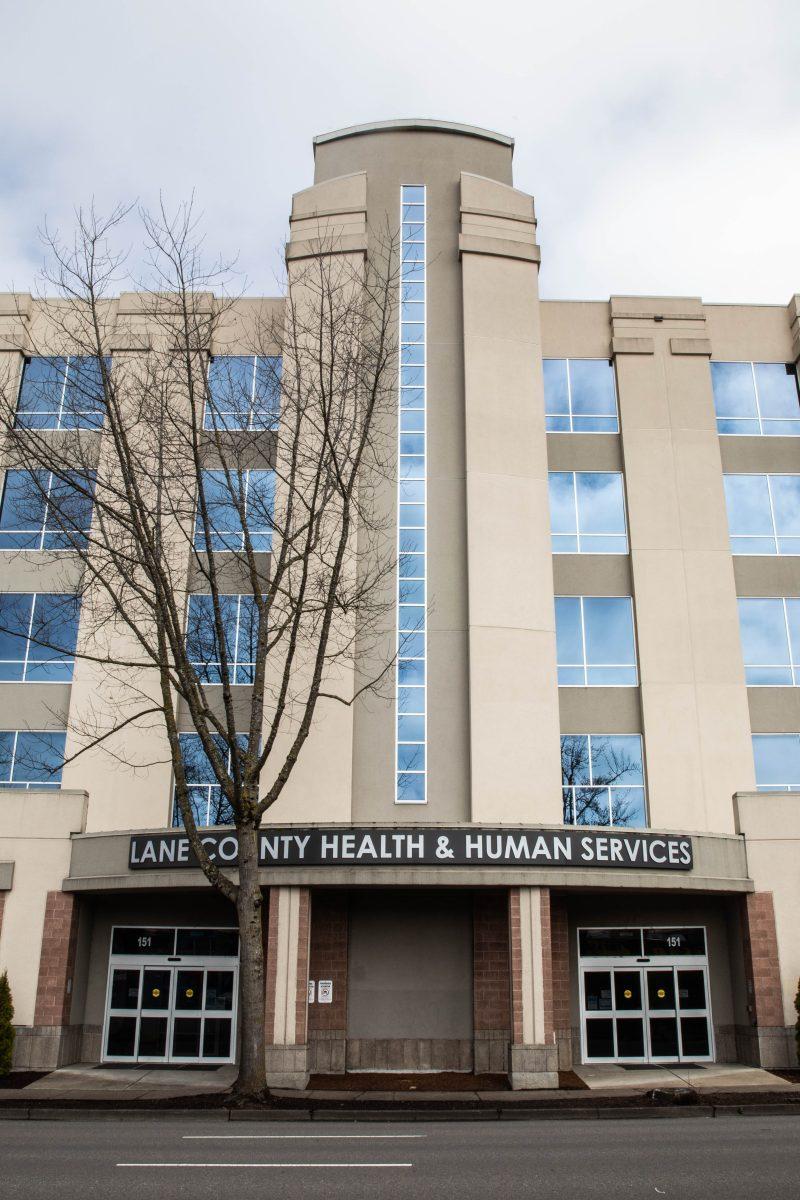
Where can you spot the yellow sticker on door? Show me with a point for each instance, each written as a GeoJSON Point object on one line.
{"type": "Point", "coordinates": [661, 993]}
{"type": "Point", "coordinates": [156, 993]}
{"type": "Point", "coordinates": [627, 993]}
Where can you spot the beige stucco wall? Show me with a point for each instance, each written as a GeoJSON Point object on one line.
{"type": "Point", "coordinates": [770, 822]}
{"type": "Point", "coordinates": [512, 661]}
{"type": "Point", "coordinates": [35, 830]}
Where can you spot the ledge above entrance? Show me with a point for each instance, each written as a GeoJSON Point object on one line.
{"type": "Point", "coordinates": [100, 863]}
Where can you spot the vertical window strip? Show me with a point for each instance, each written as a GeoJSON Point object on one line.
{"type": "Point", "coordinates": [411, 670]}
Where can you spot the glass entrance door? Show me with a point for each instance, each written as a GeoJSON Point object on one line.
{"type": "Point", "coordinates": [171, 996]}
{"type": "Point", "coordinates": [641, 1014]}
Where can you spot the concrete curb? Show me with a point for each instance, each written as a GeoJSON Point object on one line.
{"type": "Point", "coordinates": [554, 1113]}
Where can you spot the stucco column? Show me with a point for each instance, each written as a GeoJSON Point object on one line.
{"type": "Point", "coordinates": [513, 696]}
{"type": "Point", "coordinates": [287, 986]}
{"type": "Point", "coordinates": [534, 1053]}
{"type": "Point", "coordinates": [694, 700]}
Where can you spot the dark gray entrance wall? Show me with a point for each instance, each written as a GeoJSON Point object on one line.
{"type": "Point", "coordinates": [410, 965]}
{"type": "Point", "coordinates": [713, 912]}
{"type": "Point", "coordinates": [137, 908]}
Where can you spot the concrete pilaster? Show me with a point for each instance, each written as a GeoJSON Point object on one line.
{"type": "Point", "coordinates": [287, 987]}
{"type": "Point", "coordinates": [534, 1053]}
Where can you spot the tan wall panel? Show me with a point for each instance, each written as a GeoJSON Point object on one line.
{"type": "Point", "coordinates": [584, 452]}
{"type": "Point", "coordinates": [575, 329]}
{"type": "Point", "coordinates": [774, 710]}
{"type": "Point", "coordinates": [749, 332]}
{"type": "Point", "coordinates": [34, 705]}
{"type": "Point", "coordinates": [600, 710]}
{"type": "Point", "coordinates": [760, 455]}
{"type": "Point", "coordinates": [591, 575]}
{"type": "Point", "coordinates": [767, 575]}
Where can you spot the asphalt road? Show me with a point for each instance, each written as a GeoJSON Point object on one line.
{"type": "Point", "coordinates": [730, 1157]}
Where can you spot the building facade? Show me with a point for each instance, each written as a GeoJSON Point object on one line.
{"type": "Point", "coordinates": [571, 835]}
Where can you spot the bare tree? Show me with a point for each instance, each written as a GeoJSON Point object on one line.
{"type": "Point", "coordinates": [167, 481]}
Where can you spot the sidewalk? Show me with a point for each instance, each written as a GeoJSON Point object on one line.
{"type": "Point", "coordinates": [85, 1089]}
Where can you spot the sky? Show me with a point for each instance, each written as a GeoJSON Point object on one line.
{"type": "Point", "coordinates": [661, 141]}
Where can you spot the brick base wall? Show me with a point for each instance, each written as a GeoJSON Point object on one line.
{"type": "Point", "coordinates": [328, 960]}
{"type": "Point", "coordinates": [762, 968]}
{"type": "Point", "coordinates": [491, 971]}
{"type": "Point", "coordinates": [57, 960]}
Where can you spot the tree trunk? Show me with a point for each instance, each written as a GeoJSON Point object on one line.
{"type": "Point", "coordinates": [252, 1079]}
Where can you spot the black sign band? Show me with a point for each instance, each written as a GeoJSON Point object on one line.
{"type": "Point", "coordinates": [433, 847]}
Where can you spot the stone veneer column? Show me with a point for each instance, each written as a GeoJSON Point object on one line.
{"type": "Point", "coordinates": [767, 1033]}
{"type": "Point", "coordinates": [513, 692]}
{"type": "Point", "coordinates": [694, 700]}
{"type": "Point", "coordinates": [287, 986]}
{"type": "Point", "coordinates": [327, 1023]}
{"type": "Point", "coordinates": [491, 976]}
{"type": "Point", "coordinates": [534, 1054]}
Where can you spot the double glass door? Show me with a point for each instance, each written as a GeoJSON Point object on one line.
{"type": "Point", "coordinates": [646, 1014]}
{"type": "Point", "coordinates": [162, 1013]}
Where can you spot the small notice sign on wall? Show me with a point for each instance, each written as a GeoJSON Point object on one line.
{"type": "Point", "coordinates": [311, 990]}
{"type": "Point", "coordinates": [325, 991]}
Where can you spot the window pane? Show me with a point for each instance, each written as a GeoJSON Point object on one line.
{"type": "Point", "coordinates": [556, 396]}
{"type": "Point", "coordinates": [230, 386]}
{"type": "Point", "coordinates": [69, 511]}
{"type": "Point", "coordinates": [410, 757]}
{"type": "Point", "coordinates": [777, 759]}
{"type": "Point", "coordinates": [22, 512]}
{"type": "Point", "coordinates": [627, 807]}
{"type": "Point", "coordinates": [793, 621]}
{"type": "Point", "coordinates": [764, 639]}
{"type": "Point", "coordinates": [617, 758]}
{"type": "Point", "coordinates": [575, 759]}
{"type": "Point", "coordinates": [734, 393]}
{"type": "Point", "coordinates": [600, 505]}
{"type": "Point", "coordinates": [777, 390]}
{"type": "Point", "coordinates": [39, 757]}
{"type": "Point", "coordinates": [83, 394]}
{"type": "Point", "coordinates": [410, 789]}
{"type": "Point", "coordinates": [15, 615]}
{"type": "Point", "coordinates": [267, 398]}
{"type": "Point", "coordinates": [747, 497]}
{"type": "Point", "coordinates": [595, 424]}
{"type": "Point", "coordinates": [591, 806]}
{"type": "Point", "coordinates": [592, 386]}
{"type": "Point", "coordinates": [6, 754]}
{"type": "Point", "coordinates": [53, 637]}
{"type": "Point", "coordinates": [569, 641]}
{"type": "Point", "coordinates": [562, 502]}
{"type": "Point", "coordinates": [786, 503]}
{"type": "Point", "coordinates": [608, 622]}
{"type": "Point", "coordinates": [40, 392]}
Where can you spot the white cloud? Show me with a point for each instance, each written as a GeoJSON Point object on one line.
{"type": "Point", "coordinates": [660, 141]}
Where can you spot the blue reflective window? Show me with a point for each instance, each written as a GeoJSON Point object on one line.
{"type": "Point", "coordinates": [580, 396]}
{"type": "Point", "coordinates": [603, 780]}
{"type": "Point", "coordinates": [208, 803]}
{"type": "Point", "coordinates": [239, 617]}
{"type": "Point", "coordinates": [759, 399]}
{"type": "Point", "coordinates": [31, 759]}
{"type": "Point", "coordinates": [244, 392]}
{"type": "Point", "coordinates": [770, 628]}
{"type": "Point", "coordinates": [777, 759]}
{"type": "Point", "coordinates": [763, 513]}
{"type": "Point", "coordinates": [587, 512]}
{"type": "Point", "coordinates": [38, 635]}
{"type": "Point", "coordinates": [61, 393]}
{"type": "Point", "coordinates": [595, 641]}
{"type": "Point", "coordinates": [228, 496]}
{"type": "Point", "coordinates": [40, 511]}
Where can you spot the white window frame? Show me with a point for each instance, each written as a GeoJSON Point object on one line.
{"type": "Point", "coordinates": [609, 787]}
{"type": "Point", "coordinates": [422, 627]}
{"type": "Point", "coordinates": [775, 535]}
{"type": "Point", "coordinates": [29, 658]}
{"type": "Point", "coordinates": [251, 408]}
{"type": "Point", "coordinates": [584, 666]}
{"type": "Point", "coordinates": [591, 536]}
{"type": "Point", "coordinates": [793, 668]}
{"type": "Point", "coordinates": [59, 412]}
{"type": "Point", "coordinates": [590, 432]}
{"type": "Point", "coordinates": [13, 785]}
{"type": "Point", "coordinates": [234, 663]}
{"type": "Point", "coordinates": [752, 363]}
